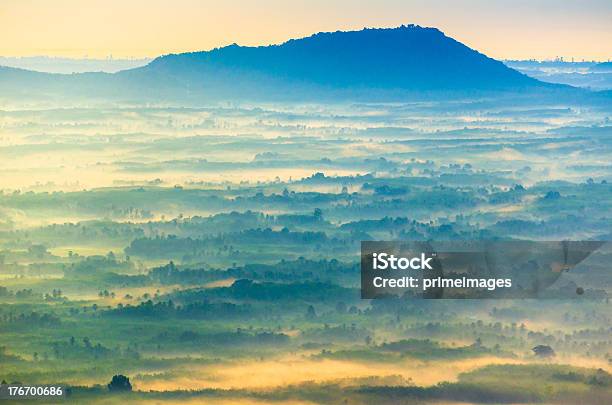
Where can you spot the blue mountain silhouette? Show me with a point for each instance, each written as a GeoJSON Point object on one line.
{"type": "Point", "coordinates": [370, 63]}
{"type": "Point", "coordinates": [409, 57]}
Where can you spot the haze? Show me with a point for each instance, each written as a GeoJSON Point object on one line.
{"type": "Point", "coordinates": [96, 29]}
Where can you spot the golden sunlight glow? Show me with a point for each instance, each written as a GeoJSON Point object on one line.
{"type": "Point", "coordinates": [137, 28]}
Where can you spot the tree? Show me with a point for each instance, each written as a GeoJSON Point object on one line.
{"type": "Point", "coordinates": [543, 351]}
{"type": "Point", "coordinates": [552, 195]}
{"type": "Point", "coordinates": [310, 313]}
{"type": "Point", "coordinates": [120, 383]}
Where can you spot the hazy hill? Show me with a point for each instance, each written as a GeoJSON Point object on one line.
{"type": "Point", "coordinates": [70, 65]}
{"type": "Point", "coordinates": [407, 60]}
{"type": "Point", "coordinates": [602, 67]}
{"type": "Point", "coordinates": [410, 58]}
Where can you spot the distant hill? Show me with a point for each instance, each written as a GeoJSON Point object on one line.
{"type": "Point", "coordinates": [588, 75]}
{"type": "Point", "coordinates": [408, 57]}
{"type": "Point", "coordinates": [71, 65]}
{"type": "Point", "coordinates": [371, 62]}
{"type": "Point", "coordinates": [602, 67]}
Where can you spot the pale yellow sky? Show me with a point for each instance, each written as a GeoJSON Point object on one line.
{"type": "Point", "coordinates": [503, 29]}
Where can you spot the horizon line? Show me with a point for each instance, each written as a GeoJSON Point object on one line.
{"type": "Point", "coordinates": [110, 58]}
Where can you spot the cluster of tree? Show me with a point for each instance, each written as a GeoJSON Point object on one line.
{"type": "Point", "coordinates": [599, 378]}
{"type": "Point", "coordinates": [284, 271]}
{"type": "Point", "coordinates": [171, 274]}
{"type": "Point", "coordinates": [78, 232]}
{"type": "Point", "coordinates": [239, 337]}
{"type": "Point", "coordinates": [33, 319]}
{"type": "Point", "coordinates": [56, 295]}
{"type": "Point", "coordinates": [106, 294]}
{"type": "Point", "coordinates": [96, 265]}
{"type": "Point", "coordinates": [336, 333]}
{"type": "Point", "coordinates": [425, 349]}
{"type": "Point", "coordinates": [19, 294]}
{"type": "Point", "coordinates": [119, 383]}
{"type": "Point", "coordinates": [85, 348]}
{"type": "Point", "coordinates": [194, 310]}
{"type": "Point", "coordinates": [173, 246]}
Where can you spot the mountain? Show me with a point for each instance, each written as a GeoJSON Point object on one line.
{"type": "Point", "coordinates": [408, 57]}
{"type": "Point", "coordinates": [371, 62]}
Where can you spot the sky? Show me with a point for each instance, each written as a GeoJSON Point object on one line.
{"type": "Point", "coordinates": [503, 29]}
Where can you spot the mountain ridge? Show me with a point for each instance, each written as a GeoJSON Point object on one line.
{"type": "Point", "coordinates": [406, 57]}
{"type": "Point", "coordinates": [372, 62]}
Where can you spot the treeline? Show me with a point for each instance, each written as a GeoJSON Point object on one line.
{"type": "Point", "coordinates": [195, 310]}
{"type": "Point", "coordinates": [173, 246]}
{"type": "Point", "coordinates": [284, 271]}
{"type": "Point", "coordinates": [33, 319]}
{"type": "Point", "coordinates": [19, 294]}
{"type": "Point", "coordinates": [404, 228]}
{"type": "Point", "coordinates": [507, 384]}
{"type": "Point", "coordinates": [239, 337]}
{"type": "Point", "coordinates": [248, 290]}
{"type": "Point", "coordinates": [95, 265]}
{"type": "Point", "coordinates": [77, 350]}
